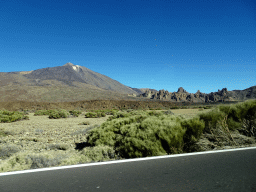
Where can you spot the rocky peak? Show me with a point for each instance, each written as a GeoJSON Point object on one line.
{"type": "Point", "coordinates": [69, 64]}
{"type": "Point", "coordinates": [75, 67]}
{"type": "Point", "coordinates": [181, 90]}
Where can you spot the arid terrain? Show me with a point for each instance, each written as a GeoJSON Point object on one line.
{"type": "Point", "coordinates": [52, 142]}
{"type": "Point", "coordinates": [58, 84]}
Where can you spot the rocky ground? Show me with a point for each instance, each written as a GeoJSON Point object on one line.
{"type": "Point", "coordinates": [39, 134]}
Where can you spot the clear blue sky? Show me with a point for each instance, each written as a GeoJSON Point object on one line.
{"type": "Point", "coordinates": [201, 45]}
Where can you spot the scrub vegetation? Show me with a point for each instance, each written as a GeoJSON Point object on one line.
{"type": "Point", "coordinates": [47, 138]}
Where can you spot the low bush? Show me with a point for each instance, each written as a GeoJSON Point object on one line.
{"type": "Point", "coordinates": [140, 135]}
{"type": "Point", "coordinates": [229, 117]}
{"type": "Point", "coordinates": [95, 115]}
{"type": "Point", "coordinates": [12, 116]}
{"type": "Point", "coordinates": [99, 153]}
{"type": "Point", "coordinates": [211, 119]}
{"type": "Point", "coordinates": [41, 112]}
{"type": "Point", "coordinates": [120, 115]}
{"type": "Point", "coordinates": [75, 113]}
{"type": "Point", "coordinates": [155, 113]}
{"type": "Point", "coordinates": [194, 129]}
{"type": "Point", "coordinates": [56, 114]}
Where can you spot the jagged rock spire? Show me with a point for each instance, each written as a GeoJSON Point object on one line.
{"type": "Point", "coordinates": [181, 90]}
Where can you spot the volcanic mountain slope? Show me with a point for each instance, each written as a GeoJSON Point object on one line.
{"type": "Point", "coordinates": [142, 90]}
{"type": "Point", "coordinates": [77, 83]}
{"type": "Point", "coordinates": [62, 83]}
{"type": "Point", "coordinates": [70, 73]}
{"type": "Point", "coordinates": [183, 96]}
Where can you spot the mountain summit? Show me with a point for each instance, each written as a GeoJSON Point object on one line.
{"type": "Point", "coordinates": [64, 83]}
{"type": "Point", "coordinates": [69, 82]}
{"type": "Point", "coordinates": [70, 74]}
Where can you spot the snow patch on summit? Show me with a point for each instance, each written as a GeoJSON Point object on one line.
{"type": "Point", "coordinates": [76, 67]}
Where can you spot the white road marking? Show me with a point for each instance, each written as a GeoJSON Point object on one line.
{"type": "Point", "coordinates": [121, 161]}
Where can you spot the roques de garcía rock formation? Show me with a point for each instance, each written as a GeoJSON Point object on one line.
{"type": "Point", "coordinates": [183, 96]}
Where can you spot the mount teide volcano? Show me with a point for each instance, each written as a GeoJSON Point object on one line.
{"type": "Point", "coordinates": [71, 74]}
{"type": "Point", "coordinates": [69, 83]}
{"type": "Point", "coordinates": [59, 84]}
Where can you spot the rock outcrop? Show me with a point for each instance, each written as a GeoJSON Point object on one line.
{"type": "Point", "coordinates": [183, 96]}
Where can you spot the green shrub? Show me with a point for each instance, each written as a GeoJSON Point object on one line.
{"type": "Point", "coordinates": [26, 118]}
{"type": "Point", "coordinates": [139, 135]}
{"type": "Point", "coordinates": [238, 114]}
{"type": "Point", "coordinates": [232, 124]}
{"type": "Point", "coordinates": [194, 129]}
{"type": "Point", "coordinates": [155, 113]}
{"type": "Point", "coordinates": [75, 113]}
{"type": "Point", "coordinates": [58, 114]}
{"type": "Point", "coordinates": [234, 114]}
{"type": "Point", "coordinates": [174, 107]}
{"type": "Point", "coordinates": [99, 153]}
{"type": "Point", "coordinates": [41, 112]}
{"type": "Point", "coordinates": [101, 114]}
{"type": "Point", "coordinates": [5, 119]}
{"type": "Point", "coordinates": [11, 116]}
{"type": "Point", "coordinates": [95, 115]}
{"type": "Point", "coordinates": [90, 115]}
{"type": "Point", "coordinates": [211, 119]}
{"type": "Point", "coordinates": [119, 115]}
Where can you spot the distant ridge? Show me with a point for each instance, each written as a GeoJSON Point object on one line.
{"type": "Point", "coordinates": [183, 96]}
{"type": "Point", "coordinates": [77, 83]}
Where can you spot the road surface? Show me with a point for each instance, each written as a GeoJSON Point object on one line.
{"type": "Point", "coordinates": [226, 170]}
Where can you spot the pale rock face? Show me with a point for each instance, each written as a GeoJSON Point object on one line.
{"type": "Point", "coordinates": [25, 72]}
{"type": "Point", "coordinates": [76, 67]}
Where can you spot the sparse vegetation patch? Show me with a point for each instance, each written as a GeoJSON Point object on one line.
{"type": "Point", "coordinates": [43, 142]}
{"type": "Point", "coordinates": [12, 116]}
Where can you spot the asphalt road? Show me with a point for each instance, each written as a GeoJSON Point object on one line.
{"type": "Point", "coordinates": [228, 170]}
